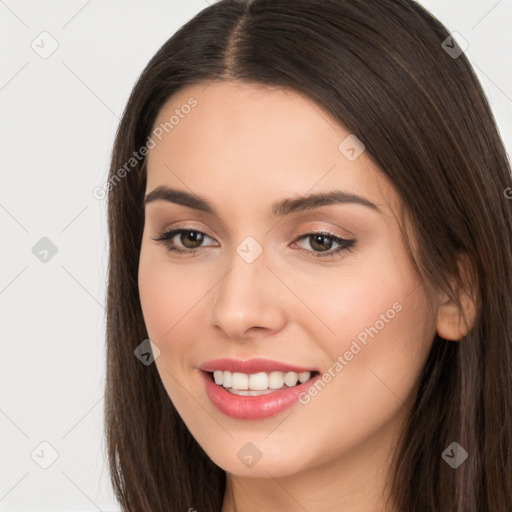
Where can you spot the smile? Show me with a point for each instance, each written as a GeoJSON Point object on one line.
{"type": "Point", "coordinates": [265, 388]}
{"type": "Point", "coordinates": [257, 384]}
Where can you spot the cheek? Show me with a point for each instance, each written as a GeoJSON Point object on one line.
{"type": "Point", "coordinates": [166, 294]}
{"type": "Point", "coordinates": [374, 362]}
{"type": "Point", "coordinates": [157, 301]}
{"type": "Point", "coordinates": [375, 327]}
{"type": "Point", "coordinates": [356, 301]}
{"type": "Point", "coordinates": [384, 335]}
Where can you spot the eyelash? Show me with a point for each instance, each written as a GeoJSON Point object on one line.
{"type": "Point", "coordinates": [165, 237]}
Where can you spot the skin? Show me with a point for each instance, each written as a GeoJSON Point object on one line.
{"type": "Point", "coordinates": [242, 148]}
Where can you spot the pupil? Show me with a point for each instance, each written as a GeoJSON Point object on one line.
{"type": "Point", "coordinates": [193, 237]}
{"type": "Point", "coordinates": [322, 239]}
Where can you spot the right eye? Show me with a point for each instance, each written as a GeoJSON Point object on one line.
{"type": "Point", "coordinates": [190, 240]}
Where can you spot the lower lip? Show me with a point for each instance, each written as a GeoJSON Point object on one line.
{"type": "Point", "coordinates": [253, 407]}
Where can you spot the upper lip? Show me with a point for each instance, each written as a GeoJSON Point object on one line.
{"type": "Point", "coordinates": [250, 366]}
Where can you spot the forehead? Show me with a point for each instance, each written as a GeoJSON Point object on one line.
{"type": "Point", "coordinates": [259, 142]}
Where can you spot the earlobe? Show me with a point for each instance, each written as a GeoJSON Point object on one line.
{"type": "Point", "coordinates": [453, 323]}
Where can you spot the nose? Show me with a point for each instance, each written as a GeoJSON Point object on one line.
{"type": "Point", "coordinates": [248, 300]}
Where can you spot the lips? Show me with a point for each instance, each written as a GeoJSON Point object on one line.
{"type": "Point", "coordinates": [249, 366]}
{"type": "Point", "coordinates": [250, 407]}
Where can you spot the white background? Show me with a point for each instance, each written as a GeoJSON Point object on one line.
{"type": "Point", "coordinates": [58, 118]}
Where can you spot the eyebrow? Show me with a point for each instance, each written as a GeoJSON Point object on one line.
{"type": "Point", "coordinates": [279, 208]}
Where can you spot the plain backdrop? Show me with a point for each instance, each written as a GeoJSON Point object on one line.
{"type": "Point", "coordinates": [58, 116]}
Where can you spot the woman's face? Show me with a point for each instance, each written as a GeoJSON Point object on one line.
{"type": "Point", "coordinates": [345, 304]}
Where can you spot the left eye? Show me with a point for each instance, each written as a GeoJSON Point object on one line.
{"type": "Point", "coordinates": [191, 240]}
{"type": "Point", "coordinates": [322, 243]}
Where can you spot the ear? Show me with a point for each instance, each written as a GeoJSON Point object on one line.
{"type": "Point", "coordinates": [453, 323]}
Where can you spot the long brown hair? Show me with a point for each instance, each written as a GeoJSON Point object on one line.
{"type": "Point", "coordinates": [380, 68]}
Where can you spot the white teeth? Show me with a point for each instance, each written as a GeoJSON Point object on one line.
{"type": "Point", "coordinates": [276, 380]}
{"type": "Point", "coordinates": [261, 383]}
{"type": "Point", "coordinates": [304, 376]}
{"type": "Point", "coordinates": [290, 379]}
{"type": "Point", "coordinates": [249, 392]}
{"type": "Point", "coordinates": [240, 381]}
{"type": "Point", "coordinates": [258, 381]}
{"type": "Point", "coordinates": [226, 379]}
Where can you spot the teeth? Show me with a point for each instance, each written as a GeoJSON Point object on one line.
{"type": "Point", "coordinates": [276, 380]}
{"type": "Point", "coordinates": [290, 379]}
{"type": "Point", "coordinates": [240, 381]}
{"type": "Point", "coordinates": [226, 379]}
{"type": "Point", "coordinates": [249, 392]}
{"type": "Point", "coordinates": [304, 376]}
{"type": "Point", "coordinates": [257, 381]}
{"type": "Point", "coordinates": [261, 383]}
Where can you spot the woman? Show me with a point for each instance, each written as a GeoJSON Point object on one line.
{"type": "Point", "coordinates": [309, 219]}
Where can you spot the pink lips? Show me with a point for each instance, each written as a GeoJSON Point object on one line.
{"type": "Point", "coordinates": [253, 407]}
{"type": "Point", "coordinates": [251, 366]}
